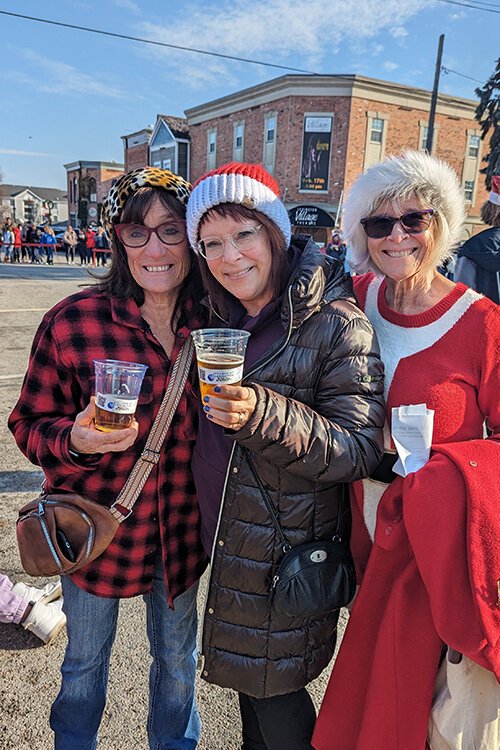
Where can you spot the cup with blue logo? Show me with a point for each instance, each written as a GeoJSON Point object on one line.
{"type": "Point", "coordinates": [117, 388]}
{"type": "Point", "coordinates": [220, 354]}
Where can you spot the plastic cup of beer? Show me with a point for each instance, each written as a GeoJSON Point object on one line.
{"type": "Point", "coordinates": [220, 354]}
{"type": "Point", "coordinates": [117, 388]}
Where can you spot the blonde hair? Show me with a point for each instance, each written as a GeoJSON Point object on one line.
{"type": "Point", "coordinates": [396, 179]}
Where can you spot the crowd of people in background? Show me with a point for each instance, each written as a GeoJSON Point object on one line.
{"type": "Point", "coordinates": [35, 243]}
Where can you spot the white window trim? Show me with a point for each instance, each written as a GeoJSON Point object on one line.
{"type": "Point", "coordinates": [270, 145]}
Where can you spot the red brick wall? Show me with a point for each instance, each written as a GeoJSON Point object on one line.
{"type": "Point", "coordinates": [403, 131]}
{"type": "Point", "coordinates": [347, 146]}
{"type": "Point", "coordinates": [109, 174]}
{"type": "Point", "coordinates": [290, 118]}
{"type": "Point", "coordinates": [103, 188]}
{"type": "Point", "coordinates": [136, 156]}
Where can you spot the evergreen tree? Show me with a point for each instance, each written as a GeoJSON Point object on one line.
{"type": "Point", "coordinates": [488, 117]}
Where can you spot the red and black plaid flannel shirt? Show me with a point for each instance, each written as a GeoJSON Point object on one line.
{"type": "Point", "coordinates": [58, 384]}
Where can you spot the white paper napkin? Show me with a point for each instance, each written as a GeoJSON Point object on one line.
{"type": "Point", "coordinates": [412, 434]}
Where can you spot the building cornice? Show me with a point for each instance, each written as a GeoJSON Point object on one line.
{"type": "Point", "coordinates": [94, 165]}
{"type": "Point", "coordinates": [329, 85]}
{"type": "Point", "coordinates": [138, 132]}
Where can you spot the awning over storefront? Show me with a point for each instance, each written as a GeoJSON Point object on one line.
{"type": "Point", "coordinates": [310, 216]}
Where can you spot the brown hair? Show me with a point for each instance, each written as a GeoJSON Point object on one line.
{"type": "Point", "coordinates": [119, 282]}
{"type": "Point", "coordinates": [490, 214]}
{"type": "Point", "coordinates": [219, 296]}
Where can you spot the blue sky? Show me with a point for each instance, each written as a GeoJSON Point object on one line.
{"type": "Point", "coordinates": [69, 95]}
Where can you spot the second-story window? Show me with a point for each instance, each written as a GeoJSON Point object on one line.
{"type": "Point", "coordinates": [377, 130]}
{"type": "Point", "coordinates": [238, 141]}
{"type": "Point", "coordinates": [270, 129]}
{"type": "Point", "coordinates": [474, 141]}
{"type": "Point", "coordinates": [211, 148]}
{"type": "Point", "coordinates": [92, 190]}
{"type": "Point", "coordinates": [424, 132]}
{"type": "Point", "coordinates": [269, 149]}
{"type": "Point", "coordinates": [469, 190]}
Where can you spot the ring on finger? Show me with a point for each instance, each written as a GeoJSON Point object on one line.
{"type": "Point", "coordinates": [240, 417]}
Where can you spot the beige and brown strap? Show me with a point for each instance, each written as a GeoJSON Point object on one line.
{"type": "Point", "coordinates": [122, 507]}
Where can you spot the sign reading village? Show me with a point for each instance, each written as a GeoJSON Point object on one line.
{"type": "Point", "coordinates": [310, 216]}
{"type": "Point", "coordinates": [316, 144]}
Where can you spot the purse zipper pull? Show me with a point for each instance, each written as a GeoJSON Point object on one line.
{"type": "Point", "coordinates": [275, 581]}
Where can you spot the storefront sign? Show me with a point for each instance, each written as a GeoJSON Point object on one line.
{"type": "Point", "coordinates": [316, 145]}
{"type": "Point", "coordinates": [310, 216]}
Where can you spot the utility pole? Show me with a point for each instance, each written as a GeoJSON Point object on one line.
{"type": "Point", "coordinates": [432, 113]}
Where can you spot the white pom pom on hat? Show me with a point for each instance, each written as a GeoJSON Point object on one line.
{"type": "Point", "coordinates": [248, 184]}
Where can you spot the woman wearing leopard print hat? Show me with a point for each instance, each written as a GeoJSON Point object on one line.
{"type": "Point", "coordinates": [142, 310]}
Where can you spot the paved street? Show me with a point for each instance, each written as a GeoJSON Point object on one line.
{"type": "Point", "coordinates": [29, 674]}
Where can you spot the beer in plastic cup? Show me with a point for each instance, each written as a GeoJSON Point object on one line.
{"type": "Point", "coordinates": [220, 354]}
{"type": "Point", "coordinates": [117, 388]}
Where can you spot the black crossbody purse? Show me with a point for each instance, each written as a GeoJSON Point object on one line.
{"type": "Point", "coordinates": [314, 578]}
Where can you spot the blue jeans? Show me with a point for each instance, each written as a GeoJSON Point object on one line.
{"type": "Point", "coordinates": [173, 721]}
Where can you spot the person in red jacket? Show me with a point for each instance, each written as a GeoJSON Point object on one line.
{"type": "Point", "coordinates": [425, 625]}
{"type": "Point", "coordinates": [90, 244]}
{"type": "Point", "coordinates": [16, 253]}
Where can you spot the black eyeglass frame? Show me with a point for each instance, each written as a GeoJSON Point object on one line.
{"type": "Point", "coordinates": [119, 228]}
{"type": "Point", "coordinates": [391, 221]}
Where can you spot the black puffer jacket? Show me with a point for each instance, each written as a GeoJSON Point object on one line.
{"type": "Point", "coordinates": [317, 423]}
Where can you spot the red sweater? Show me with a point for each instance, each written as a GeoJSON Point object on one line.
{"type": "Point", "coordinates": [430, 565]}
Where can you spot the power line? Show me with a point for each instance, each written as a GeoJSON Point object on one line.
{"type": "Point", "coordinates": [192, 49]}
{"type": "Point", "coordinates": [468, 5]}
{"type": "Point", "coordinates": [157, 44]}
{"type": "Point", "coordinates": [462, 75]}
{"type": "Point", "coordinates": [480, 2]}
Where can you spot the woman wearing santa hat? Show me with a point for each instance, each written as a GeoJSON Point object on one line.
{"type": "Point", "coordinates": [306, 419]}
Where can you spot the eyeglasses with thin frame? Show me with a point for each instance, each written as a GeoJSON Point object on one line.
{"type": "Point", "coordinates": [243, 239]}
{"type": "Point", "coordinates": [138, 235]}
{"type": "Point", "coordinates": [413, 222]}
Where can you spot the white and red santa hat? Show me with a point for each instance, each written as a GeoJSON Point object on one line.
{"type": "Point", "coordinates": [248, 184]}
{"type": "Point", "coordinates": [495, 190]}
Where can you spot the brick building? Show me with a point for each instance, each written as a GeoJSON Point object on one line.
{"type": "Point", "coordinates": [165, 146]}
{"type": "Point", "coordinates": [88, 185]}
{"type": "Point", "coordinates": [136, 148]}
{"type": "Point", "coordinates": [316, 133]}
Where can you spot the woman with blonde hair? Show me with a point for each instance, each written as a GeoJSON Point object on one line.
{"type": "Point", "coordinates": [420, 659]}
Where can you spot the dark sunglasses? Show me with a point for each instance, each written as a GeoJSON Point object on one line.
{"type": "Point", "coordinates": [414, 222]}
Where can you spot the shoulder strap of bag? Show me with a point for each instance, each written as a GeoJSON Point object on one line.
{"type": "Point", "coordinates": [151, 453]}
{"type": "Point", "coordinates": [272, 510]}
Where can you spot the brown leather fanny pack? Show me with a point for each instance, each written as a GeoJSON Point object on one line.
{"type": "Point", "coordinates": [60, 533]}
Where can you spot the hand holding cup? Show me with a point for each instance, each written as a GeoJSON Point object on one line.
{"type": "Point", "coordinates": [231, 406]}
{"type": "Point", "coordinates": [85, 438]}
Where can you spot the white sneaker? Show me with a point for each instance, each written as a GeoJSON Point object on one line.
{"type": "Point", "coordinates": [45, 620]}
{"type": "Point", "coordinates": [33, 594]}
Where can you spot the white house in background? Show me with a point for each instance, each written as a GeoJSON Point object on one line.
{"type": "Point", "coordinates": [169, 145]}
{"type": "Point", "coordinates": [24, 203]}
